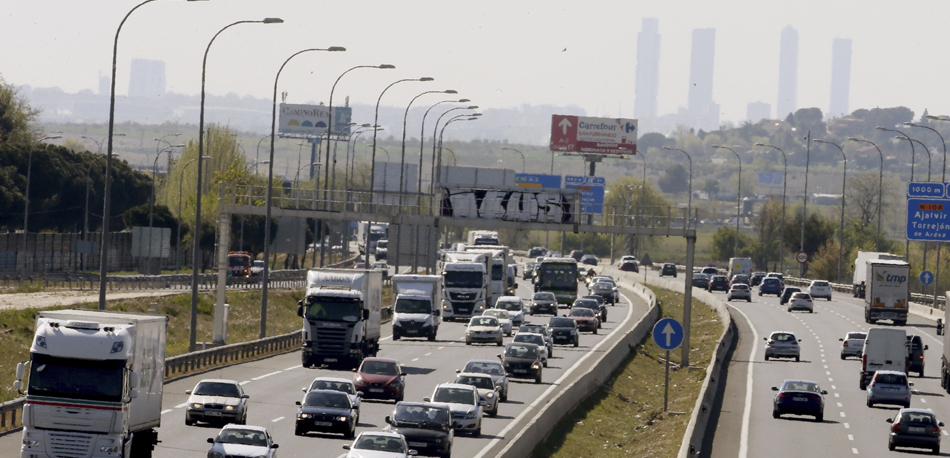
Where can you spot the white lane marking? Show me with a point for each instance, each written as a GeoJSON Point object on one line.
{"type": "Point", "coordinates": [827, 372]}
{"type": "Point", "coordinates": [923, 400]}
{"type": "Point", "coordinates": [850, 437]}
{"type": "Point", "coordinates": [839, 405]}
{"type": "Point", "coordinates": [427, 354]}
{"type": "Point", "coordinates": [847, 426]}
{"type": "Point", "coordinates": [277, 419]}
{"type": "Point", "coordinates": [837, 395]}
{"type": "Point", "coordinates": [440, 348]}
{"type": "Point", "coordinates": [854, 450]}
{"type": "Point", "coordinates": [166, 411]}
{"type": "Point", "coordinates": [265, 375]}
{"type": "Point", "coordinates": [834, 387]}
{"type": "Point", "coordinates": [415, 359]}
{"type": "Point", "coordinates": [842, 414]}
{"type": "Point", "coordinates": [945, 433]}
{"type": "Point", "coordinates": [823, 362]}
{"type": "Point", "coordinates": [557, 383]}
{"type": "Point", "coordinates": [293, 367]}
{"type": "Point", "coordinates": [181, 405]}
{"type": "Point", "coordinates": [747, 408]}
{"type": "Point", "coordinates": [244, 382]}
{"type": "Point", "coordinates": [830, 379]}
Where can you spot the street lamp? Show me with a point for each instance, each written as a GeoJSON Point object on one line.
{"type": "Point", "coordinates": [913, 160]}
{"type": "Point", "coordinates": [438, 173]}
{"type": "Point", "coordinates": [943, 142]}
{"type": "Point", "coordinates": [151, 201]}
{"type": "Point", "coordinates": [522, 157]}
{"type": "Point", "coordinates": [181, 180]}
{"type": "Point", "coordinates": [26, 204]}
{"type": "Point", "coordinates": [402, 162]}
{"type": "Point", "coordinates": [462, 117]}
{"type": "Point", "coordinates": [689, 200]}
{"type": "Point", "coordinates": [880, 187]}
{"type": "Point", "coordinates": [455, 161]}
{"type": "Point", "coordinates": [159, 141]}
{"type": "Point", "coordinates": [738, 195]}
{"type": "Point", "coordinates": [844, 181]}
{"type": "Point", "coordinates": [372, 173]}
{"type": "Point", "coordinates": [784, 188]}
{"type": "Point", "coordinates": [85, 223]}
{"type": "Point", "coordinates": [201, 127]}
{"type": "Point", "coordinates": [351, 145]}
{"type": "Point", "coordinates": [422, 136]}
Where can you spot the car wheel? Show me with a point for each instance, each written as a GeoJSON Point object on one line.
{"type": "Point", "coordinates": [351, 433]}
{"type": "Point", "coordinates": [775, 414]}
{"type": "Point", "coordinates": [869, 403]}
{"type": "Point", "coordinates": [493, 413]}
{"type": "Point", "coordinates": [796, 359]}
{"type": "Point", "coordinates": [500, 342]}
{"type": "Point", "coordinates": [749, 299]}
{"type": "Point", "coordinates": [921, 373]}
{"type": "Point", "coordinates": [820, 417]}
{"type": "Point", "coordinates": [842, 357]}
{"type": "Point", "coordinates": [936, 450]}
{"type": "Point", "coordinates": [468, 342]}
{"type": "Point", "coordinates": [863, 386]}
{"type": "Point", "coordinates": [545, 363]}
{"type": "Point", "coordinates": [906, 405]}
{"type": "Point", "coordinates": [395, 336]}
{"type": "Point", "coordinates": [432, 336]}
{"type": "Point", "coordinates": [537, 379]}
{"type": "Point", "coordinates": [504, 396]}
{"type": "Point", "coordinates": [595, 330]}
{"type": "Point", "coordinates": [576, 343]}
{"type": "Point", "coordinates": [478, 432]}
{"type": "Point", "coordinates": [890, 446]}
{"type": "Point", "coordinates": [766, 357]}
{"type": "Point", "coordinates": [189, 423]}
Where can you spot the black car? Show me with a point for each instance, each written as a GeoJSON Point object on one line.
{"type": "Point", "coordinates": [787, 294]}
{"type": "Point", "coordinates": [630, 266]}
{"type": "Point", "coordinates": [522, 360]}
{"type": "Point", "coordinates": [917, 348]}
{"type": "Point", "coordinates": [577, 255]}
{"type": "Point", "coordinates": [799, 397]}
{"type": "Point", "coordinates": [537, 251]}
{"type": "Point", "coordinates": [564, 331]}
{"type": "Point", "coordinates": [700, 280]}
{"type": "Point", "coordinates": [543, 302]}
{"type": "Point", "coordinates": [326, 411]}
{"type": "Point", "coordinates": [718, 283]}
{"type": "Point", "coordinates": [589, 259]}
{"type": "Point", "coordinates": [668, 269]}
{"type": "Point", "coordinates": [916, 428]}
{"type": "Point", "coordinates": [426, 426]}
{"type": "Point", "coordinates": [756, 278]}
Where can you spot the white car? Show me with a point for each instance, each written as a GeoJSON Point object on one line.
{"type": "Point", "coordinates": [515, 307]}
{"type": "Point", "coordinates": [739, 291]}
{"type": "Point", "coordinates": [483, 329]}
{"type": "Point", "coordinates": [465, 404]}
{"type": "Point", "coordinates": [504, 319]}
{"type": "Point", "coordinates": [236, 440]}
{"type": "Point", "coordinates": [801, 301]}
{"type": "Point", "coordinates": [820, 288]}
{"type": "Point", "coordinates": [852, 344]}
{"type": "Point", "coordinates": [216, 401]}
{"type": "Point", "coordinates": [379, 444]}
{"type": "Point", "coordinates": [782, 344]}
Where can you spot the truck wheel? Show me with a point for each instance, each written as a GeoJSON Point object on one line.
{"type": "Point", "coordinates": [432, 336]}
{"type": "Point", "coordinates": [861, 384]}
{"type": "Point", "coordinates": [395, 336]}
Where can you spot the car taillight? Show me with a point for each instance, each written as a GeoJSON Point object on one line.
{"type": "Point", "coordinates": [864, 362]}
{"type": "Point", "coordinates": [896, 427]}
{"type": "Point", "coordinates": [784, 395]}
{"type": "Point", "coordinates": [794, 344]}
{"type": "Point", "coordinates": [921, 356]}
{"type": "Point", "coordinates": [845, 344]}
{"type": "Point", "coordinates": [936, 429]}
{"type": "Point", "coordinates": [816, 398]}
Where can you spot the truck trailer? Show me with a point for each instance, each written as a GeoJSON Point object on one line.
{"type": "Point", "coordinates": [859, 279]}
{"type": "Point", "coordinates": [417, 306]}
{"type": "Point", "coordinates": [888, 291]}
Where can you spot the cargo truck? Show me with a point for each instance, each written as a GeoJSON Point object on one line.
{"type": "Point", "coordinates": [885, 349]}
{"type": "Point", "coordinates": [500, 259]}
{"type": "Point", "coordinates": [482, 238]}
{"type": "Point", "coordinates": [860, 269]}
{"type": "Point", "coordinates": [466, 284]}
{"type": "Point", "coordinates": [888, 293]}
{"type": "Point", "coordinates": [417, 307]}
{"type": "Point", "coordinates": [341, 316]}
{"type": "Point", "coordinates": [740, 266]}
{"type": "Point", "coordinates": [95, 384]}
{"type": "Point", "coordinates": [370, 233]}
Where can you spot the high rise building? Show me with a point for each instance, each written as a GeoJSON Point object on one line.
{"type": "Point", "coordinates": [147, 78]}
{"type": "Point", "coordinates": [703, 113]}
{"type": "Point", "coordinates": [648, 73]}
{"type": "Point", "coordinates": [757, 111]}
{"type": "Point", "coordinates": [787, 73]}
{"type": "Point", "coordinates": [104, 86]}
{"type": "Point", "coordinates": [840, 77]}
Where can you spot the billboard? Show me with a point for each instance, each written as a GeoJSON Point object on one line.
{"type": "Point", "coordinates": [579, 134]}
{"type": "Point", "coordinates": [313, 119]}
{"type": "Point", "coordinates": [592, 192]}
{"type": "Point", "coordinates": [770, 177]}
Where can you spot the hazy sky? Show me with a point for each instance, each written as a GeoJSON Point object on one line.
{"type": "Point", "coordinates": [497, 53]}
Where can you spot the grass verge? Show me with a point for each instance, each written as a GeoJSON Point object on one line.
{"type": "Point", "coordinates": [625, 417]}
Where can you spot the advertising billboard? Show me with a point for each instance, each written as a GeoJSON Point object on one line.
{"type": "Point", "coordinates": [312, 119]}
{"type": "Point", "coordinates": [608, 136]}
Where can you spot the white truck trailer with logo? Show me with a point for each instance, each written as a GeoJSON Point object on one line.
{"type": "Point", "coordinates": [859, 280]}
{"type": "Point", "coordinates": [341, 316]}
{"type": "Point", "coordinates": [417, 307]}
{"type": "Point", "coordinates": [95, 384]}
{"type": "Point", "coordinates": [500, 259]}
{"type": "Point", "coordinates": [888, 291]}
{"type": "Point", "coordinates": [466, 284]}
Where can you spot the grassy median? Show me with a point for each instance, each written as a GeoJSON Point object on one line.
{"type": "Point", "coordinates": [625, 416]}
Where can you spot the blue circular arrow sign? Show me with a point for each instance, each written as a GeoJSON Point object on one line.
{"type": "Point", "coordinates": [668, 333]}
{"type": "Point", "coordinates": [926, 277]}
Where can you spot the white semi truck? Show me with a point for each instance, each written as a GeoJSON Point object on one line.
{"type": "Point", "coordinates": [859, 280]}
{"type": "Point", "coordinates": [482, 238]}
{"type": "Point", "coordinates": [888, 291]}
{"type": "Point", "coordinates": [466, 284]}
{"type": "Point", "coordinates": [341, 316]}
{"type": "Point", "coordinates": [417, 307]}
{"type": "Point", "coordinates": [370, 232]}
{"type": "Point", "coordinates": [95, 384]}
{"type": "Point", "coordinates": [500, 260]}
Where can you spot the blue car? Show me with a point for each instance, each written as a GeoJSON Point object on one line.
{"type": "Point", "coordinates": [770, 285]}
{"type": "Point", "coordinates": [799, 397]}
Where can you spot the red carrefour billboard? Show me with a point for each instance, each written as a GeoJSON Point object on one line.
{"type": "Point", "coordinates": [579, 134]}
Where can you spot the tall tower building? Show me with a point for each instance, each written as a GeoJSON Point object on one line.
{"type": "Point", "coordinates": [104, 85]}
{"type": "Point", "coordinates": [840, 77]}
{"type": "Point", "coordinates": [648, 73]}
{"type": "Point", "coordinates": [787, 73]}
{"type": "Point", "coordinates": [147, 78]}
{"type": "Point", "coordinates": [700, 107]}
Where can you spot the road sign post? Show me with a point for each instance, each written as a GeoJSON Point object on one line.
{"type": "Point", "coordinates": [801, 257]}
{"type": "Point", "coordinates": [667, 334]}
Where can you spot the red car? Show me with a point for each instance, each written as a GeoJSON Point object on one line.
{"type": "Point", "coordinates": [586, 319]}
{"type": "Point", "coordinates": [380, 378]}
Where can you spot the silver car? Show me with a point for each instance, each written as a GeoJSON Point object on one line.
{"type": "Point", "coordinates": [242, 441]}
{"type": "Point", "coordinates": [504, 319]}
{"type": "Point", "coordinates": [485, 385]}
{"type": "Point", "coordinates": [889, 387]}
{"type": "Point", "coordinates": [739, 291]}
{"type": "Point", "coordinates": [216, 401]}
{"type": "Point", "coordinates": [782, 344]}
{"type": "Point", "coordinates": [852, 344]}
{"type": "Point", "coordinates": [465, 404]}
{"type": "Point", "coordinates": [495, 369]}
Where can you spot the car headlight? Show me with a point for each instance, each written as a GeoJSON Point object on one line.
{"type": "Point", "coordinates": [395, 382]}
{"type": "Point", "coordinates": [359, 380]}
{"type": "Point", "coordinates": [573, 332]}
{"type": "Point", "coordinates": [215, 455]}
{"type": "Point", "coordinates": [490, 395]}
{"type": "Point", "coordinates": [342, 418]}
{"type": "Point", "coordinates": [471, 414]}
{"type": "Point", "coordinates": [535, 365]}
{"type": "Point", "coordinates": [229, 408]}
{"type": "Point", "coordinates": [196, 405]}
{"type": "Point", "coordinates": [303, 416]}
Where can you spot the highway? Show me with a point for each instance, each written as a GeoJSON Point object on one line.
{"type": "Point", "coordinates": [274, 385]}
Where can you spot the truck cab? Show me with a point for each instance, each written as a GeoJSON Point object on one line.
{"type": "Point", "coordinates": [466, 285]}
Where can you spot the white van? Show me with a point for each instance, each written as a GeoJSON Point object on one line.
{"type": "Point", "coordinates": [885, 349]}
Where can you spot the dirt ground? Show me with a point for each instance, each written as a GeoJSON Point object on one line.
{"type": "Point", "coordinates": [65, 298]}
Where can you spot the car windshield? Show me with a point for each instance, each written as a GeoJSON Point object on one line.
{"type": "Point", "coordinates": [243, 437]}
{"type": "Point", "coordinates": [783, 337]}
{"type": "Point", "coordinates": [510, 306]}
{"type": "Point", "coordinates": [917, 418]}
{"type": "Point", "coordinates": [522, 351]}
{"type": "Point", "coordinates": [227, 390]}
{"type": "Point", "coordinates": [421, 414]}
{"type": "Point", "coordinates": [800, 296]}
{"type": "Point", "coordinates": [537, 340]}
{"type": "Point", "coordinates": [379, 368]}
{"type": "Point", "coordinates": [699, 276]}
{"type": "Point", "coordinates": [819, 283]}
{"type": "Point", "coordinates": [334, 399]}
{"type": "Point", "coordinates": [413, 306]}
{"type": "Point", "coordinates": [259, 264]}
{"type": "Point", "coordinates": [341, 386]}
{"type": "Point", "coordinates": [463, 279]}
{"type": "Point", "coordinates": [586, 303]}
{"type": "Point", "coordinates": [769, 281]}
{"type": "Point", "coordinates": [500, 314]}
{"type": "Point", "coordinates": [478, 382]}
{"type": "Point", "coordinates": [485, 367]}
{"type": "Point", "coordinates": [740, 287]}
{"type": "Point", "coordinates": [534, 328]}
{"type": "Point", "coordinates": [891, 379]}
{"type": "Point", "coordinates": [453, 395]}
{"type": "Point", "coordinates": [544, 297]}
{"type": "Point", "coordinates": [323, 308]}
{"type": "Point", "coordinates": [559, 322]}
{"type": "Point", "coordinates": [581, 312]}
{"type": "Point", "coordinates": [857, 336]}
{"type": "Point", "coordinates": [484, 321]}
{"type": "Point", "coordinates": [380, 444]}
{"type": "Point", "coordinates": [800, 386]}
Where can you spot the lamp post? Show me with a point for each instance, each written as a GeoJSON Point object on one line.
{"type": "Point", "coordinates": [943, 143]}
{"type": "Point", "coordinates": [844, 181]}
{"type": "Point", "coordinates": [26, 203]}
{"type": "Point", "coordinates": [455, 161]}
{"type": "Point", "coordinates": [402, 163]}
{"type": "Point", "coordinates": [422, 136]}
{"type": "Point", "coordinates": [151, 201]}
{"type": "Point", "coordinates": [196, 259]}
{"type": "Point", "coordinates": [738, 195]}
{"type": "Point", "coordinates": [643, 194]}
{"type": "Point", "coordinates": [181, 180]}
{"type": "Point", "coordinates": [784, 189]}
{"type": "Point", "coordinates": [522, 157]}
{"type": "Point", "coordinates": [462, 117]}
{"type": "Point", "coordinates": [689, 200]}
{"type": "Point", "coordinates": [913, 160]}
{"type": "Point", "coordinates": [372, 173]}
{"type": "Point", "coordinates": [85, 219]}
{"type": "Point", "coordinates": [880, 187]}
{"type": "Point", "coordinates": [351, 145]}
{"type": "Point", "coordinates": [436, 173]}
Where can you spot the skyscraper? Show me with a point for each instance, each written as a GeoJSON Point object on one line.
{"type": "Point", "coordinates": [840, 76]}
{"type": "Point", "coordinates": [147, 78]}
{"type": "Point", "coordinates": [700, 107]}
{"type": "Point", "coordinates": [648, 73]}
{"type": "Point", "coordinates": [787, 73]}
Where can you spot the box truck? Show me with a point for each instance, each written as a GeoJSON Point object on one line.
{"type": "Point", "coordinates": [885, 349]}
{"type": "Point", "coordinates": [95, 384]}
{"type": "Point", "coordinates": [887, 293]}
{"type": "Point", "coordinates": [417, 306]}
{"type": "Point", "coordinates": [500, 259]}
{"type": "Point", "coordinates": [341, 314]}
{"type": "Point", "coordinates": [740, 266]}
{"type": "Point", "coordinates": [860, 269]}
{"type": "Point", "coordinates": [482, 238]}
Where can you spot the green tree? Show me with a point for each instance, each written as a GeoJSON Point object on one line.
{"type": "Point", "coordinates": [16, 115]}
{"type": "Point", "coordinates": [817, 231]}
{"type": "Point", "coordinates": [675, 179]}
{"type": "Point", "coordinates": [723, 244]}
{"type": "Point", "coordinates": [768, 225]}
{"type": "Point", "coordinates": [711, 187]}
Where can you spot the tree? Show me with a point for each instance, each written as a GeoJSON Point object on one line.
{"type": "Point", "coordinates": [723, 244]}
{"type": "Point", "coordinates": [675, 179]}
{"type": "Point", "coordinates": [818, 230]}
{"type": "Point", "coordinates": [768, 224]}
{"type": "Point", "coordinates": [863, 196]}
{"type": "Point", "coordinates": [16, 115]}
{"type": "Point", "coordinates": [711, 187]}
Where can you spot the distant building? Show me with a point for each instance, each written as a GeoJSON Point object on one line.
{"type": "Point", "coordinates": [840, 77]}
{"type": "Point", "coordinates": [704, 113]}
{"type": "Point", "coordinates": [104, 86]}
{"type": "Point", "coordinates": [648, 74]}
{"type": "Point", "coordinates": [757, 111]}
{"type": "Point", "coordinates": [787, 73]}
{"type": "Point", "coordinates": [147, 78]}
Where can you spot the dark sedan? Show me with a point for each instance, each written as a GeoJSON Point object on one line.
{"type": "Point", "coordinates": [787, 294]}
{"type": "Point", "coordinates": [543, 302]}
{"type": "Point", "coordinates": [668, 269]}
{"type": "Point", "coordinates": [630, 266]}
{"type": "Point", "coordinates": [799, 397]}
{"type": "Point", "coordinates": [718, 283]}
{"type": "Point", "coordinates": [700, 281]}
{"type": "Point", "coordinates": [522, 360]}
{"type": "Point", "coordinates": [917, 428]}
{"type": "Point", "coordinates": [326, 411]}
{"type": "Point", "coordinates": [426, 426]}
{"type": "Point", "coordinates": [564, 331]}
